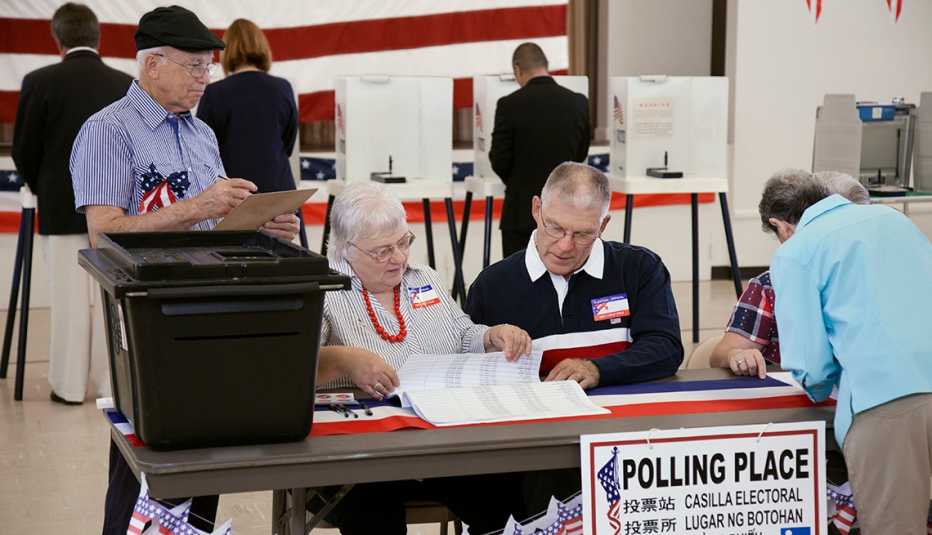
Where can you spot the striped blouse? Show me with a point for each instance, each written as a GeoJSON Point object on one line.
{"type": "Point", "coordinates": [135, 147]}
{"type": "Point", "coordinates": [436, 323]}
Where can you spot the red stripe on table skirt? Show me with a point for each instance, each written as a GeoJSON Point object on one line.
{"type": "Point", "coordinates": [669, 408]}
{"type": "Point", "coordinates": [314, 212]}
{"type": "Point", "coordinates": [32, 36]}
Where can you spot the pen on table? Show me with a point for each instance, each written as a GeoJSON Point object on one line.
{"type": "Point", "coordinates": [338, 409]}
{"type": "Point", "coordinates": [365, 408]}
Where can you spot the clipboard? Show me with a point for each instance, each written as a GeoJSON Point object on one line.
{"type": "Point", "coordinates": [261, 208]}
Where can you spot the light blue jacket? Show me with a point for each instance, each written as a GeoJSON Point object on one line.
{"type": "Point", "coordinates": [854, 304]}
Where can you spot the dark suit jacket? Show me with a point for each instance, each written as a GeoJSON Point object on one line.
{"type": "Point", "coordinates": [537, 128]}
{"type": "Point", "coordinates": [53, 104]}
{"type": "Point", "coordinates": [255, 119]}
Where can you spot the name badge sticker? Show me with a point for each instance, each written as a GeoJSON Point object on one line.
{"type": "Point", "coordinates": [423, 296]}
{"type": "Point", "coordinates": [610, 307]}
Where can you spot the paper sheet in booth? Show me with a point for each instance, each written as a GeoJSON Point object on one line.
{"type": "Point", "coordinates": [482, 388]}
{"type": "Point", "coordinates": [261, 208]}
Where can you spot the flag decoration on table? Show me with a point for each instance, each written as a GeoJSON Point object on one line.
{"type": "Point", "coordinates": [152, 518]}
{"type": "Point", "coordinates": [845, 515]}
{"type": "Point", "coordinates": [560, 518]}
{"type": "Point", "coordinates": [314, 42]}
{"type": "Point", "coordinates": [608, 478]}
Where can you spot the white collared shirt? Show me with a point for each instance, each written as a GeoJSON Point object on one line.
{"type": "Point", "coordinates": [594, 266]}
{"type": "Point", "coordinates": [80, 48]}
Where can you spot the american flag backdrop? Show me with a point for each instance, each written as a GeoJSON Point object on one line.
{"type": "Point", "coordinates": [313, 42]}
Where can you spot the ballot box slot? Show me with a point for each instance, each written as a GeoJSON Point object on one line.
{"type": "Point", "coordinates": [227, 337]}
{"type": "Point", "coordinates": [231, 306]}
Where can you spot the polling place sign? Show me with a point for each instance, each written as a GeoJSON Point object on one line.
{"type": "Point", "coordinates": [735, 480]}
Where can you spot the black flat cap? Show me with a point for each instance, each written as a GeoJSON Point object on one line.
{"type": "Point", "coordinates": [177, 27]}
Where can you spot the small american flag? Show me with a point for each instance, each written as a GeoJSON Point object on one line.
{"type": "Point", "coordinates": [608, 477]}
{"type": "Point", "coordinates": [144, 511]}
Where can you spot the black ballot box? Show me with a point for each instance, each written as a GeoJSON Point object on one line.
{"type": "Point", "coordinates": [213, 336]}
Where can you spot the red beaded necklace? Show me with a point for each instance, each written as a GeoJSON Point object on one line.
{"type": "Point", "coordinates": [402, 328]}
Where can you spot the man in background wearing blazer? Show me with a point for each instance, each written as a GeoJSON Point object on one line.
{"type": "Point", "coordinates": [538, 127]}
{"type": "Point", "coordinates": [54, 102]}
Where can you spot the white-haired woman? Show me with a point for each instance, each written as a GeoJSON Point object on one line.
{"type": "Point", "coordinates": [393, 310]}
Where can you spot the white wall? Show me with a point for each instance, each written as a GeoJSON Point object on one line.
{"type": "Point", "coordinates": [656, 37]}
{"type": "Point", "coordinates": [785, 62]}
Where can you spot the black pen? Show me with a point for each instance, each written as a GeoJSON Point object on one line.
{"type": "Point", "coordinates": [339, 410]}
{"type": "Point", "coordinates": [365, 408]}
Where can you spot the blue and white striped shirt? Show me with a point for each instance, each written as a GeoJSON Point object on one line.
{"type": "Point", "coordinates": [135, 145]}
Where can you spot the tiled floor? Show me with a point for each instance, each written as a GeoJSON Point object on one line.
{"type": "Point", "coordinates": [53, 458]}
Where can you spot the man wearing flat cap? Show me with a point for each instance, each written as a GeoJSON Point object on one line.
{"type": "Point", "coordinates": [145, 163]}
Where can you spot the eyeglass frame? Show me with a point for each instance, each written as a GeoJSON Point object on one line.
{"type": "Point", "coordinates": [209, 69]}
{"type": "Point", "coordinates": [390, 248]}
{"type": "Point", "coordinates": [574, 235]}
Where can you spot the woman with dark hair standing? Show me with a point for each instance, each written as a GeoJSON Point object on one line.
{"type": "Point", "coordinates": [252, 112]}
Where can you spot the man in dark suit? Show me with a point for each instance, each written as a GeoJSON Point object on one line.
{"type": "Point", "coordinates": [54, 102]}
{"type": "Point", "coordinates": [537, 128]}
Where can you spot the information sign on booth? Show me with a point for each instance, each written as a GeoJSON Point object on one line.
{"type": "Point", "coordinates": [736, 480]}
{"type": "Point", "coordinates": [675, 122]}
{"type": "Point", "coordinates": [402, 125]}
{"type": "Point", "coordinates": [486, 91]}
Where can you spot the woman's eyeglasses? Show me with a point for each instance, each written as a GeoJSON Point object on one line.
{"type": "Point", "coordinates": [384, 253]}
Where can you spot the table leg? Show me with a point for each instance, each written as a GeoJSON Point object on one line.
{"type": "Point", "coordinates": [330, 503]}
{"type": "Point", "coordinates": [629, 214]}
{"type": "Point", "coordinates": [298, 513]}
{"type": "Point", "coordinates": [694, 209]}
{"type": "Point", "coordinates": [279, 507]}
{"type": "Point", "coordinates": [459, 285]}
{"type": "Point", "coordinates": [730, 240]}
{"type": "Point", "coordinates": [14, 296]}
{"type": "Point", "coordinates": [429, 231]}
{"type": "Point", "coordinates": [326, 238]}
{"type": "Point", "coordinates": [29, 214]}
{"type": "Point", "coordinates": [487, 239]}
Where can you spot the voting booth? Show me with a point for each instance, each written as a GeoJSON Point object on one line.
{"type": "Point", "coordinates": [669, 135]}
{"type": "Point", "coordinates": [676, 122]}
{"type": "Point", "coordinates": [486, 91]}
{"type": "Point", "coordinates": [402, 119]}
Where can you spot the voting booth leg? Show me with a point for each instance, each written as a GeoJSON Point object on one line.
{"type": "Point", "coordinates": [29, 216]}
{"type": "Point", "coordinates": [730, 240]}
{"type": "Point", "coordinates": [459, 285]}
{"type": "Point", "coordinates": [302, 232]}
{"type": "Point", "coordinates": [14, 296]}
{"type": "Point", "coordinates": [467, 209]}
{"type": "Point", "coordinates": [629, 212]}
{"type": "Point", "coordinates": [429, 232]}
{"type": "Point", "coordinates": [694, 209]}
{"type": "Point", "coordinates": [487, 239]}
{"type": "Point", "coordinates": [326, 238]}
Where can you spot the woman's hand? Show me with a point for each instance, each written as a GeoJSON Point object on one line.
{"type": "Point", "coordinates": [370, 372]}
{"type": "Point", "coordinates": [511, 340]}
{"type": "Point", "coordinates": [747, 362]}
